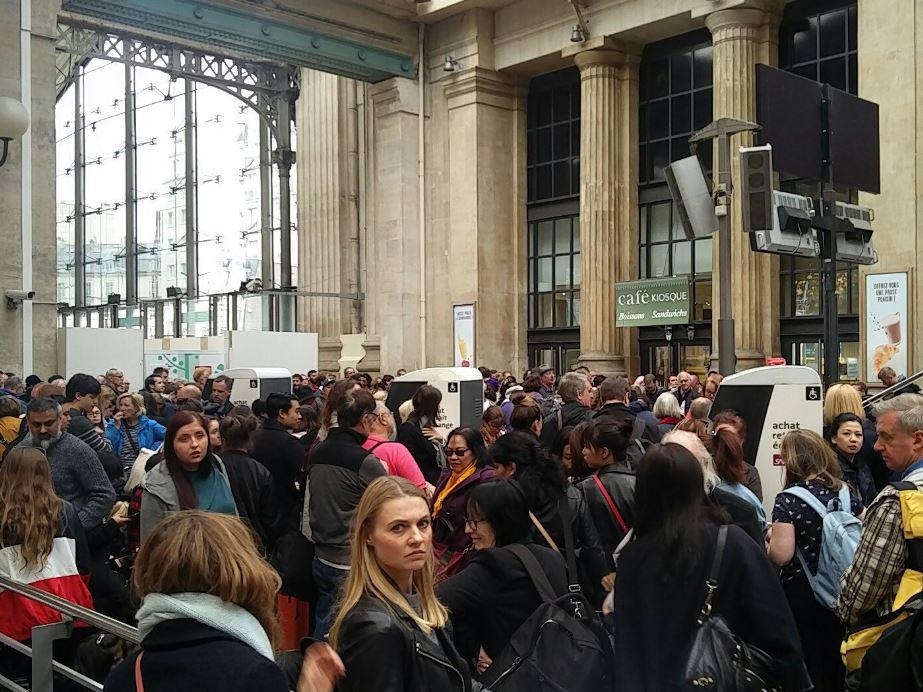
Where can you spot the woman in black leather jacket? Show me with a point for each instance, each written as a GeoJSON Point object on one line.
{"type": "Point", "coordinates": [522, 458]}
{"type": "Point", "coordinates": [391, 630]}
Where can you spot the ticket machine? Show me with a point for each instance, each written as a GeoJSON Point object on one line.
{"type": "Point", "coordinates": [462, 394]}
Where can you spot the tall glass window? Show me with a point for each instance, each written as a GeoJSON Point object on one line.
{"type": "Point", "coordinates": [554, 136]}
{"type": "Point", "coordinates": [554, 272]}
{"type": "Point", "coordinates": [65, 126]}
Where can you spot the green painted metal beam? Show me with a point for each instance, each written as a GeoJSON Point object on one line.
{"type": "Point", "coordinates": [226, 29]}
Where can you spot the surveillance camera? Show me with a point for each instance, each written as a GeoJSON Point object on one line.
{"type": "Point", "coordinates": [20, 296]}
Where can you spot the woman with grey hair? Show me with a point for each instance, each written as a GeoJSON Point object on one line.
{"type": "Point", "coordinates": [668, 412]}
{"type": "Point", "coordinates": [739, 510]}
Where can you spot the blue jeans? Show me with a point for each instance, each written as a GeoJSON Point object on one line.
{"type": "Point", "coordinates": [327, 581]}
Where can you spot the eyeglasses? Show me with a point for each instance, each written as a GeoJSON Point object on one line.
{"type": "Point", "coordinates": [472, 524]}
{"type": "Point", "coordinates": [462, 451]}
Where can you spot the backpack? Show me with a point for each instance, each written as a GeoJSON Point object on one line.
{"type": "Point", "coordinates": [637, 445]}
{"type": "Point", "coordinates": [562, 645]}
{"type": "Point", "coordinates": [839, 539]}
{"type": "Point", "coordinates": [895, 661]}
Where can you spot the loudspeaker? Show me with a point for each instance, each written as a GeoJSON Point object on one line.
{"type": "Point", "coordinates": [690, 194]}
{"type": "Point", "coordinates": [756, 188]}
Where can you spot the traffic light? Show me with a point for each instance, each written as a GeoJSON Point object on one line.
{"type": "Point", "coordinates": [756, 188]}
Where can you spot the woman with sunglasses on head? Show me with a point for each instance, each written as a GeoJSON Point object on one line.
{"type": "Point", "coordinates": [493, 595]}
{"type": "Point", "coordinates": [390, 628]}
{"type": "Point", "coordinates": [466, 456]}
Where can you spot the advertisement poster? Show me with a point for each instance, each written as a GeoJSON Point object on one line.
{"type": "Point", "coordinates": [652, 302]}
{"type": "Point", "coordinates": [183, 363]}
{"type": "Point", "coordinates": [887, 324]}
{"type": "Point", "coordinates": [463, 321]}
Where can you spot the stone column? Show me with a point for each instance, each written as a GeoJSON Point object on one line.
{"type": "Point", "coordinates": [608, 198]}
{"type": "Point", "coordinates": [740, 42]}
{"type": "Point", "coordinates": [393, 241]}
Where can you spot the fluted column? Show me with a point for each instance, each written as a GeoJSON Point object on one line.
{"type": "Point", "coordinates": [608, 199]}
{"type": "Point", "coordinates": [739, 38]}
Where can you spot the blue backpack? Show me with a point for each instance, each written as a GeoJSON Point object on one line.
{"type": "Point", "coordinates": [839, 539]}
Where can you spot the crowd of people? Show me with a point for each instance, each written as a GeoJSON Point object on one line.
{"type": "Point", "coordinates": [425, 551]}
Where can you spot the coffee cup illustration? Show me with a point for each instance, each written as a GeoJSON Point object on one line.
{"type": "Point", "coordinates": [891, 324]}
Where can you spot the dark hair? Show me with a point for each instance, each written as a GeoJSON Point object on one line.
{"type": "Point", "coordinates": [81, 384]}
{"type": "Point", "coordinates": [502, 504]}
{"type": "Point", "coordinates": [237, 431]}
{"type": "Point", "coordinates": [598, 380]}
{"type": "Point", "coordinates": [491, 412]}
{"type": "Point", "coordinates": [354, 406]}
{"type": "Point", "coordinates": [426, 402]}
{"type": "Point", "coordinates": [609, 432]}
{"type": "Point", "coordinates": [160, 370]}
{"type": "Point", "coordinates": [153, 403]}
{"type": "Point", "coordinates": [560, 441]}
{"type": "Point", "coordinates": [241, 410]}
{"type": "Point", "coordinates": [540, 475]}
{"type": "Point", "coordinates": [277, 403]}
{"type": "Point", "coordinates": [474, 441]}
{"type": "Point", "coordinates": [839, 421]}
{"type": "Point", "coordinates": [613, 388]}
{"type": "Point", "coordinates": [258, 407]}
{"type": "Point", "coordinates": [309, 415]}
{"type": "Point", "coordinates": [43, 404]}
{"type": "Point", "coordinates": [224, 379]}
{"type": "Point", "coordinates": [149, 380]}
{"type": "Point", "coordinates": [731, 418]}
{"type": "Point", "coordinates": [526, 411]}
{"type": "Point", "coordinates": [334, 399]}
{"type": "Point", "coordinates": [728, 453]}
{"type": "Point", "coordinates": [184, 490]}
{"type": "Point", "coordinates": [670, 504]}
{"type": "Point", "coordinates": [578, 467]}
{"type": "Point", "coordinates": [191, 405]}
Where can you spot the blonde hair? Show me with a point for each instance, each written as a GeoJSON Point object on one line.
{"type": "Point", "coordinates": [30, 512]}
{"type": "Point", "coordinates": [807, 455]}
{"type": "Point", "coordinates": [842, 398]}
{"type": "Point", "coordinates": [405, 409]}
{"type": "Point", "coordinates": [366, 577]}
{"type": "Point", "coordinates": [136, 399]}
{"type": "Point", "coordinates": [204, 552]}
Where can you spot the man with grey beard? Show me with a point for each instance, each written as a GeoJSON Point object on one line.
{"type": "Point", "coordinates": [76, 471]}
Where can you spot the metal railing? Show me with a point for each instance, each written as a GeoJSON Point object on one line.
{"type": "Point", "coordinates": [43, 637]}
{"type": "Point", "coordinates": [884, 393]}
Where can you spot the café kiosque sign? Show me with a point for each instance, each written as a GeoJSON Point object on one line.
{"type": "Point", "coordinates": [652, 302]}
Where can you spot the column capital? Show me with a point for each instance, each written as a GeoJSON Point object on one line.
{"type": "Point", "coordinates": [479, 85]}
{"type": "Point", "coordinates": [602, 50]}
{"type": "Point", "coordinates": [749, 15]}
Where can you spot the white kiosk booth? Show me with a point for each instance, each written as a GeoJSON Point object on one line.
{"type": "Point", "coordinates": [772, 401]}
{"type": "Point", "coordinates": [252, 383]}
{"type": "Point", "coordinates": [462, 394]}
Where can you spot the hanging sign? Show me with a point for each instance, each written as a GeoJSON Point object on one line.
{"type": "Point", "coordinates": [463, 321]}
{"type": "Point", "coordinates": [652, 302]}
{"type": "Point", "coordinates": [887, 324]}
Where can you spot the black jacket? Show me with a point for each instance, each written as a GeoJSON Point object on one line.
{"type": "Point", "coordinates": [254, 495]}
{"type": "Point", "coordinates": [384, 651]}
{"type": "Point", "coordinates": [592, 564]}
{"type": "Point", "coordinates": [685, 398]}
{"type": "Point", "coordinates": [187, 655]}
{"type": "Point", "coordinates": [741, 513]}
{"type": "Point", "coordinates": [493, 595]}
{"type": "Point", "coordinates": [276, 449]}
{"type": "Point", "coordinates": [620, 412]}
{"type": "Point", "coordinates": [423, 451]}
{"type": "Point", "coordinates": [619, 482]}
{"type": "Point", "coordinates": [570, 414]}
{"type": "Point", "coordinates": [659, 593]}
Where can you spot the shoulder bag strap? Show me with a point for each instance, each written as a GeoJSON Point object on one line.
{"type": "Point", "coordinates": [545, 534]}
{"type": "Point", "coordinates": [637, 432]}
{"type": "Point", "coordinates": [564, 510]}
{"type": "Point", "coordinates": [612, 508]}
{"type": "Point", "coordinates": [536, 573]}
{"type": "Point", "coordinates": [560, 421]}
{"type": "Point", "coordinates": [139, 680]}
{"type": "Point", "coordinates": [914, 545]}
{"type": "Point", "coordinates": [711, 584]}
{"type": "Point", "coordinates": [377, 445]}
{"type": "Point", "coordinates": [845, 499]}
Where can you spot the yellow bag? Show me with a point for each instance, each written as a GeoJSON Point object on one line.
{"type": "Point", "coordinates": [860, 638]}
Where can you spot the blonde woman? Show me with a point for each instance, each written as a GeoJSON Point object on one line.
{"type": "Point", "coordinates": [794, 545]}
{"type": "Point", "coordinates": [842, 398]}
{"type": "Point", "coordinates": [390, 627]}
{"type": "Point", "coordinates": [208, 616]}
{"type": "Point", "coordinates": [130, 430]}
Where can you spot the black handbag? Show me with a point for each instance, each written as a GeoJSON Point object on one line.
{"type": "Point", "coordinates": [293, 557]}
{"type": "Point", "coordinates": [717, 659]}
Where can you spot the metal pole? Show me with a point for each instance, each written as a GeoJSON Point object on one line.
{"type": "Point", "coordinates": [192, 271]}
{"type": "Point", "coordinates": [79, 226]}
{"type": "Point", "coordinates": [831, 322]}
{"type": "Point", "coordinates": [131, 189]}
{"type": "Point", "coordinates": [285, 159]}
{"type": "Point", "coordinates": [265, 204]}
{"type": "Point", "coordinates": [727, 357]}
{"type": "Point", "coordinates": [43, 638]}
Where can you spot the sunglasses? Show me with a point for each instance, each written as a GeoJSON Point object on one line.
{"type": "Point", "coordinates": [460, 452]}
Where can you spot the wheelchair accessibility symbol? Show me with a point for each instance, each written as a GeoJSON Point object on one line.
{"type": "Point", "coordinates": [812, 394]}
